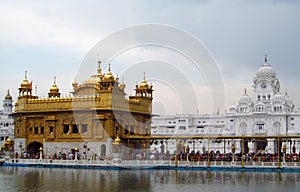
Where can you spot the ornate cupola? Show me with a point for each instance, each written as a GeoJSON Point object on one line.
{"type": "Point", "coordinates": [122, 85]}
{"type": "Point", "coordinates": [54, 90]}
{"type": "Point", "coordinates": [265, 83]}
{"type": "Point", "coordinates": [25, 87]}
{"type": "Point", "coordinates": [144, 89]}
{"type": "Point", "coordinates": [75, 84]}
{"type": "Point", "coordinates": [108, 81]}
{"type": "Point", "coordinates": [8, 96]}
{"type": "Point", "coordinates": [7, 103]}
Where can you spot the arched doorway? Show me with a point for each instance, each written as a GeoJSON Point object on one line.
{"type": "Point", "coordinates": [103, 151]}
{"type": "Point", "coordinates": [260, 144]}
{"type": "Point", "coordinates": [34, 148]}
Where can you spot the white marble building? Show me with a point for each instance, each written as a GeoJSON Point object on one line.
{"type": "Point", "coordinates": [268, 112]}
{"type": "Point", "coordinates": [6, 121]}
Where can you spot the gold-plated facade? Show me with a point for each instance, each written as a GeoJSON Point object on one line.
{"type": "Point", "coordinates": [96, 114]}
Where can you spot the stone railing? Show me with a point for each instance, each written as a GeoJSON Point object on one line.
{"type": "Point", "coordinates": [153, 163]}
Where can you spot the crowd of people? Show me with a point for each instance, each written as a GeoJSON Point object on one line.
{"type": "Point", "coordinates": [181, 156]}
{"type": "Point", "coordinates": [257, 157]}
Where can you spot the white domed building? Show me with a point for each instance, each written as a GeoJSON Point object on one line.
{"type": "Point", "coordinates": [266, 113]}
{"type": "Point", "coordinates": [6, 121]}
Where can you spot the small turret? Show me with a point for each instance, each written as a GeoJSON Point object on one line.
{"type": "Point", "coordinates": [25, 87]}
{"type": "Point", "coordinates": [7, 104]}
{"type": "Point", "coordinates": [54, 90]}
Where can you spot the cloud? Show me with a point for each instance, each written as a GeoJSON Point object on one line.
{"type": "Point", "coordinates": [52, 38]}
{"type": "Point", "coordinates": [24, 25]}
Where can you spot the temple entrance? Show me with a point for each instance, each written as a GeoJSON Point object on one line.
{"type": "Point", "coordinates": [245, 145]}
{"type": "Point", "coordinates": [260, 145]}
{"type": "Point", "coordinates": [34, 148]}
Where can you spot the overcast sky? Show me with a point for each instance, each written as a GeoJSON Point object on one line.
{"type": "Point", "coordinates": [53, 38]}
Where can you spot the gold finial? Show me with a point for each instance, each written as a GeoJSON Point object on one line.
{"type": "Point", "coordinates": [54, 80]}
{"type": "Point", "coordinates": [144, 76]}
{"type": "Point", "coordinates": [99, 62]}
{"type": "Point", "coordinates": [8, 140]}
{"type": "Point", "coordinates": [117, 139]}
{"type": "Point", "coordinates": [109, 67]}
{"type": "Point", "coordinates": [25, 74]}
{"type": "Point", "coordinates": [245, 91]}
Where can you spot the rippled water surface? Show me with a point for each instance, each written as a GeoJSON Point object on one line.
{"type": "Point", "coordinates": [52, 179]}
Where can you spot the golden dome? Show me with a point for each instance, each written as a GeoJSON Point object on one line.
{"type": "Point", "coordinates": [144, 83]}
{"type": "Point", "coordinates": [117, 140]}
{"type": "Point", "coordinates": [93, 80]}
{"type": "Point", "coordinates": [25, 83]}
{"type": "Point", "coordinates": [8, 96]}
{"type": "Point", "coordinates": [8, 141]}
{"type": "Point", "coordinates": [74, 83]}
{"type": "Point", "coordinates": [108, 75]}
{"type": "Point", "coordinates": [54, 88]}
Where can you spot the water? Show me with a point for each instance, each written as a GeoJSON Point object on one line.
{"type": "Point", "coordinates": [52, 179]}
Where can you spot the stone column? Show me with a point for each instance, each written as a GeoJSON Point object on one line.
{"type": "Point", "coordinates": [109, 148]}
{"type": "Point", "coordinates": [271, 148]}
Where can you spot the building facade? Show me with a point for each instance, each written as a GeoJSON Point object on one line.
{"type": "Point", "coordinates": [90, 120]}
{"type": "Point", "coordinates": [268, 112]}
{"type": "Point", "coordinates": [6, 120]}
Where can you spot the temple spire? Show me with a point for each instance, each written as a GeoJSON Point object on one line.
{"type": "Point", "coordinates": [99, 62]}
{"type": "Point", "coordinates": [25, 74]}
{"type": "Point", "coordinates": [266, 58]}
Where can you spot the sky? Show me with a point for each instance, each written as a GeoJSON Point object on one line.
{"type": "Point", "coordinates": [55, 38]}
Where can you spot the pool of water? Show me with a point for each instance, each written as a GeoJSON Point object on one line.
{"type": "Point", "coordinates": [55, 179]}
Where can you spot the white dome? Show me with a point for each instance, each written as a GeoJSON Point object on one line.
{"type": "Point", "coordinates": [245, 98]}
{"type": "Point", "coordinates": [266, 71]}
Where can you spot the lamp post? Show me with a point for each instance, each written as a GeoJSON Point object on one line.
{"type": "Point", "coordinates": [284, 151]}
{"type": "Point", "coordinates": [76, 153]}
{"type": "Point", "coordinates": [233, 151]}
{"type": "Point", "coordinates": [41, 153]}
{"type": "Point", "coordinates": [20, 145]}
{"type": "Point", "coordinates": [117, 150]}
{"type": "Point", "coordinates": [187, 150]}
{"type": "Point", "coordinates": [8, 147]}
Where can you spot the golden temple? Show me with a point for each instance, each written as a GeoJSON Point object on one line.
{"type": "Point", "coordinates": [96, 113]}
